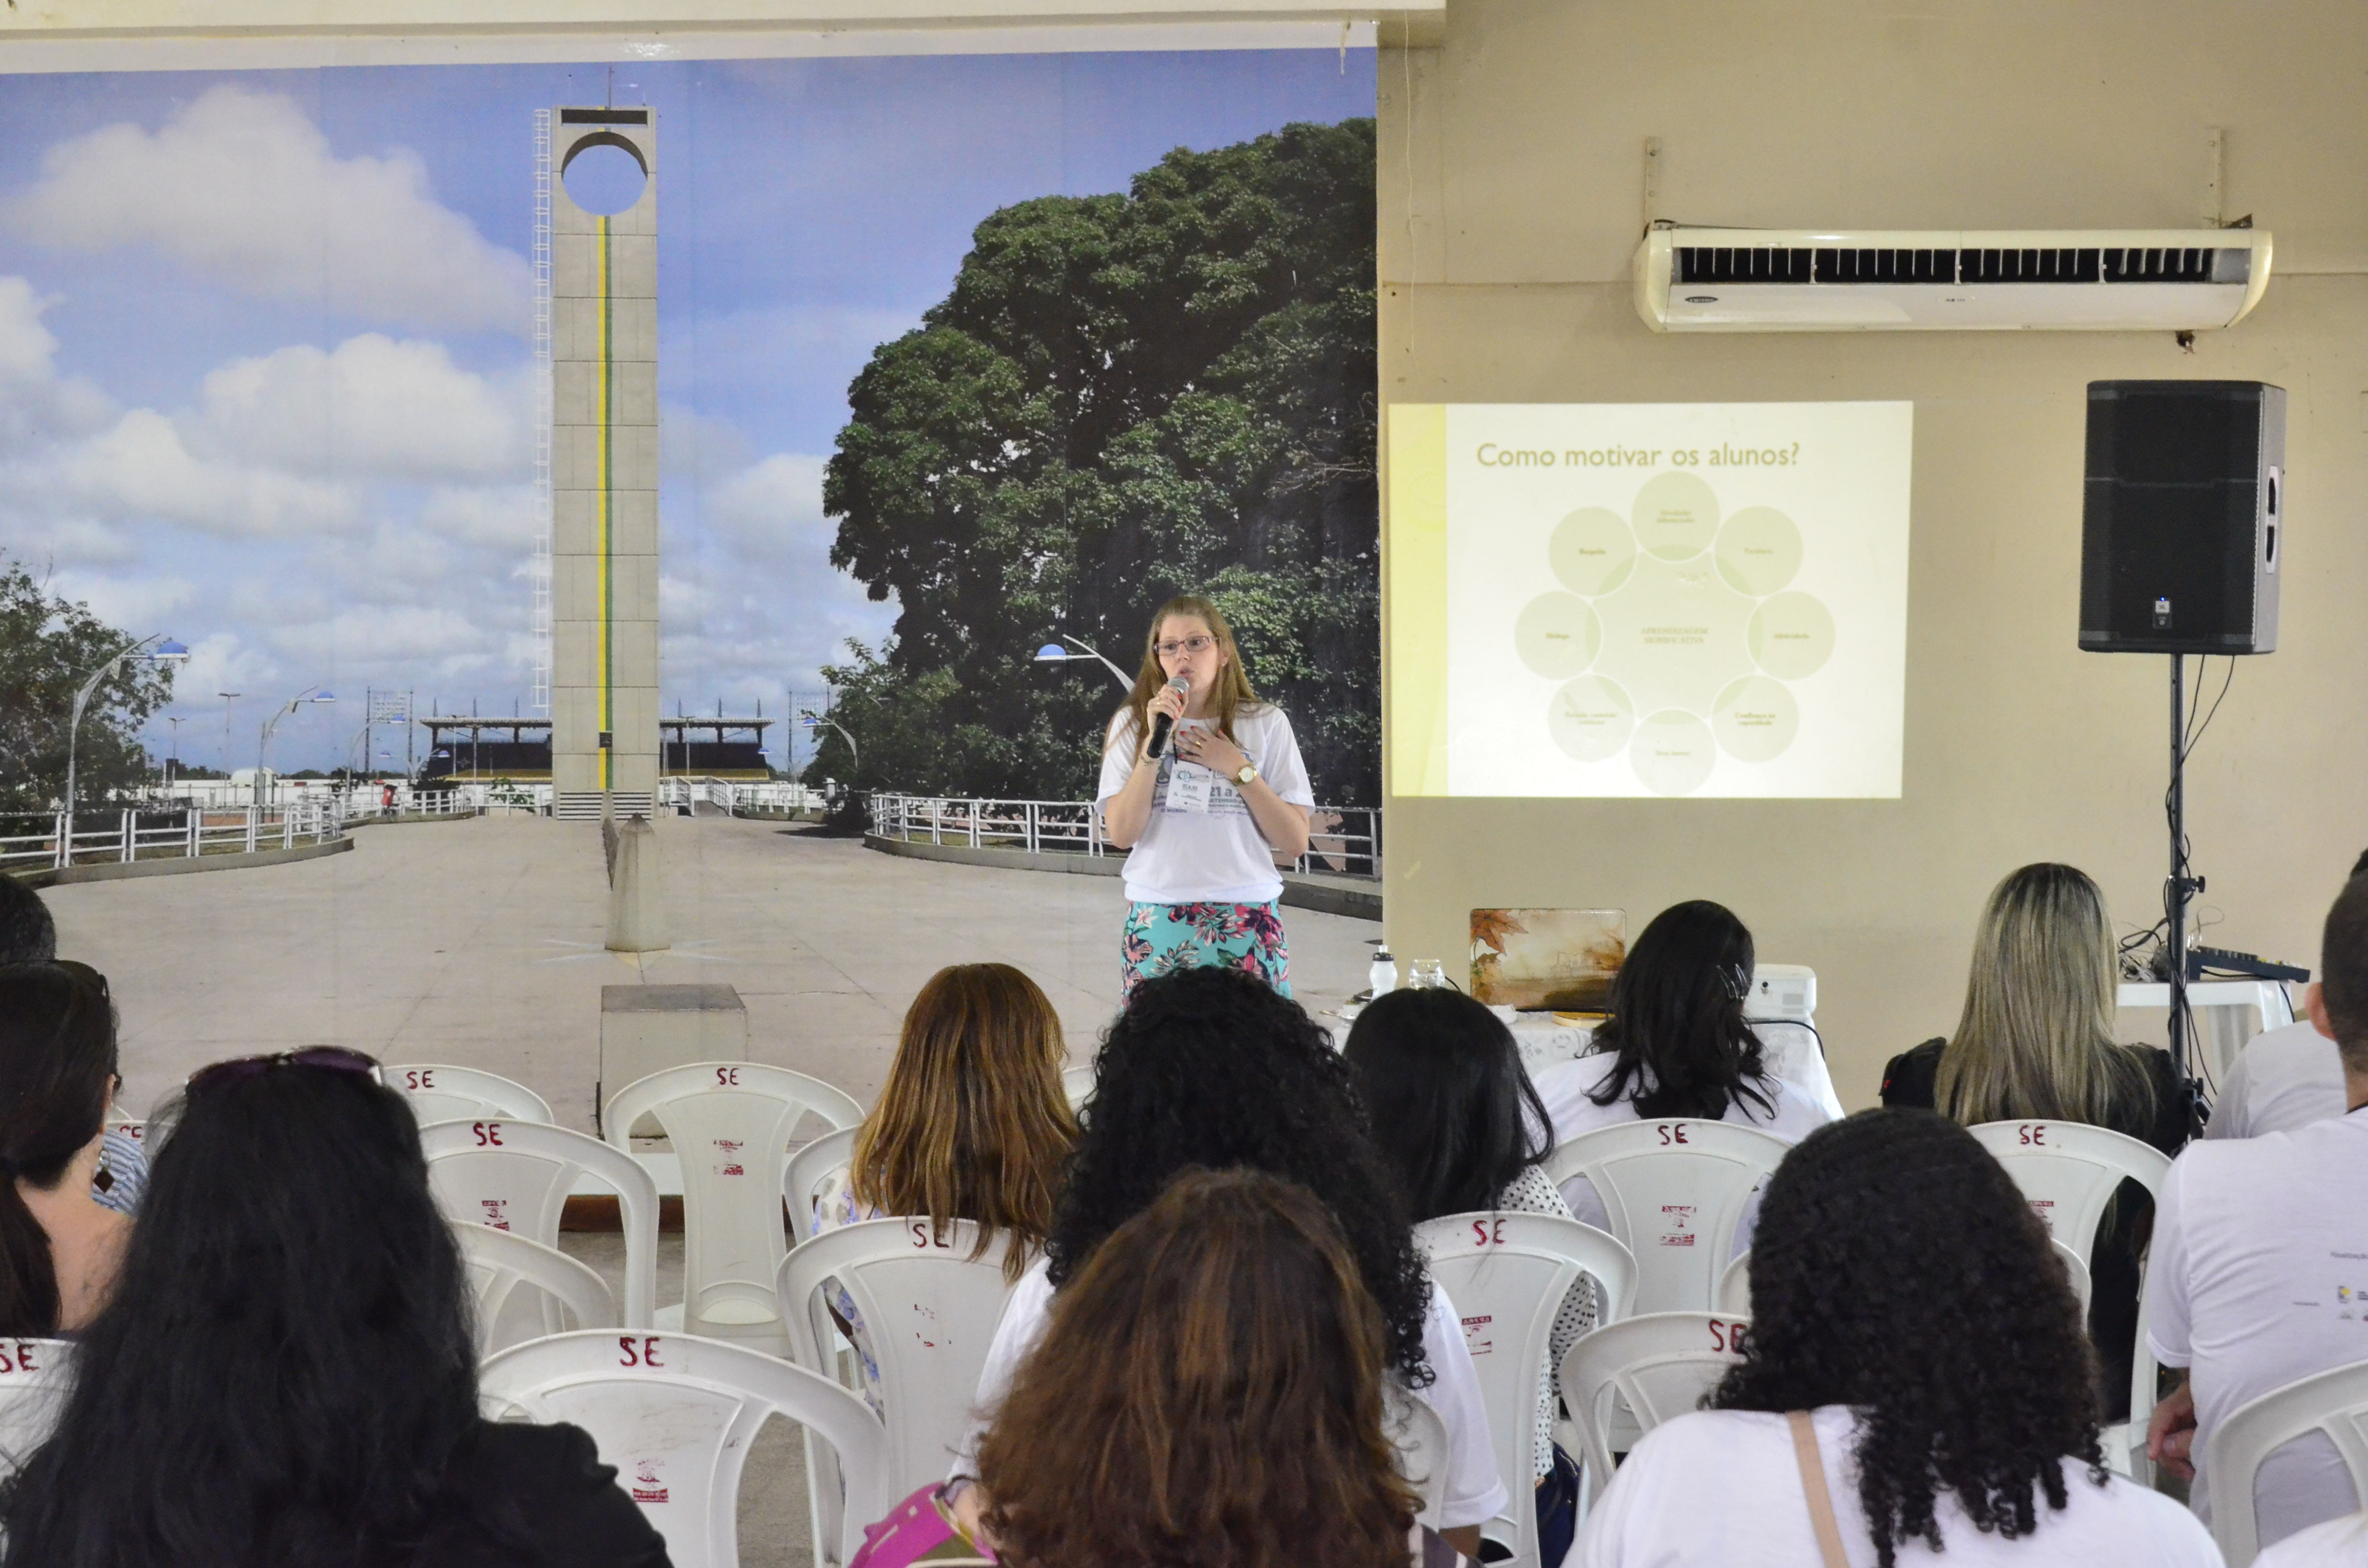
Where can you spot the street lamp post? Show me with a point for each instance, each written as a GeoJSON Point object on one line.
{"type": "Point", "coordinates": [1053, 653]}
{"type": "Point", "coordinates": [166, 652]}
{"type": "Point", "coordinates": [173, 763]}
{"type": "Point", "coordinates": [810, 719]}
{"type": "Point", "coordinates": [263, 745]}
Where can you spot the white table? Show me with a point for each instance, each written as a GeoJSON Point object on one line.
{"type": "Point", "coordinates": [2228, 1013]}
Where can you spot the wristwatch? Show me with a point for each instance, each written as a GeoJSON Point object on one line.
{"type": "Point", "coordinates": [1249, 771]}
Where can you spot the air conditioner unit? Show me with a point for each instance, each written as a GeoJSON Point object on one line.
{"type": "Point", "coordinates": [1937, 280]}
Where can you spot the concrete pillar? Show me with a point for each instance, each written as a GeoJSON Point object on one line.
{"type": "Point", "coordinates": [637, 922]}
{"type": "Point", "coordinates": [604, 472]}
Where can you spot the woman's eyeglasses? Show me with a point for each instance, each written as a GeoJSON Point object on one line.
{"type": "Point", "coordinates": [335, 1058]}
{"type": "Point", "coordinates": [1185, 645]}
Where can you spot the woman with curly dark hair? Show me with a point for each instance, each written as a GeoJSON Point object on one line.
{"type": "Point", "coordinates": [1915, 1350]}
{"type": "Point", "coordinates": [1213, 1068]}
{"type": "Point", "coordinates": [1208, 1392]}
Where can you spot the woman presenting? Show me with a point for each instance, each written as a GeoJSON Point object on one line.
{"type": "Point", "coordinates": [1207, 819]}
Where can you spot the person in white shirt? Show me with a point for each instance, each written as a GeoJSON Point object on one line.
{"type": "Point", "coordinates": [1675, 1045]}
{"type": "Point", "coordinates": [2339, 1543]}
{"type": "Point", "coordinates": [2260, 1261]}
{"type": "Point", "coordinates": [1207, 819]}
{"type": "Point", "coordinates": [2285, 1078]}
{"type": "Point", "coordinates": [1211, 1068]}
{"type": "Point", "coordinates": [1916, 1369]}
{"type": "Point", "coordinates": [1459, 1124]}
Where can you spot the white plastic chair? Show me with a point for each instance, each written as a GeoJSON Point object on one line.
{"type": "Point", "coordinates": [811, 1166]}
{"type": "Point", "coordinates": [1734, 1284]}
{"type": "Point", "coordinates": [2068, 1170]}
{"type": "Point", "coordinates": [515, 1176]}
{"type": "Point", "coordinates": [1419, 1437]}
{"type": "Point", "coordinates": [730, 1124]}
{"type": "Point", "coordinates": [2334, 1402]}
{"type": "Point", "coordinates": [440, 1093]}
{"type": "Point", "coordinates": [1506, 1274]}
{"type": "Point", "coordinates": [35, 1375]}
{"type": "Point", "coordinates": [1675, 1192]}
{"type": "Point", "coordinates": [1078, 1083]}
{"type": "Point", "coordinates": [1660, 1365]}
{"type": "Point", "coordinates": [499, 1262]}
{"type": "Point", "coordinates": [930, 1311]}
{"type": "Point", "coordinates": [677, 1415]}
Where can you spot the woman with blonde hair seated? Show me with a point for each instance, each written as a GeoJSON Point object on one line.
{"type": "Point", "coordinates": [2035, 1042]}
{"type": "Point", "coordinates": [972, 1124]}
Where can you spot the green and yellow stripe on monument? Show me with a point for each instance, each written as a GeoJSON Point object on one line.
{"type": "Point", "coordinates": [604, 370]}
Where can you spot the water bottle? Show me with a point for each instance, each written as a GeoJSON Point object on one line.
{"type": "Point", "coordinates": [1383, 975]}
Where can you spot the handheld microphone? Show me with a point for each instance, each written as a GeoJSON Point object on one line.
{"type": "Point", "coordinates": [1161, 724]}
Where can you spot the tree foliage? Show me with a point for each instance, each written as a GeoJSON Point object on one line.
{"type": "Point", "coordinates": [48, 646]}
{"type": "Point", "coordinates": [1123, 398]}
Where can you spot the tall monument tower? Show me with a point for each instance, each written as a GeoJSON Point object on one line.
{"type": "Point", "coordinates": [604, 475]}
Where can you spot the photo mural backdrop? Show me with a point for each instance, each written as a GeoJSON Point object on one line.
{"type": "Point", "coordinates": [955, 354]}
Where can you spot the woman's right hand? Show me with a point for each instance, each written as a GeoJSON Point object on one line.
{"type": "Point", "coordinates": [1169, 702]}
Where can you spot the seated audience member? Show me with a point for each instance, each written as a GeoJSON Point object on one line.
{"type": "Point", "coordinates": [285, 1376]}
{"type": "Point", "coordinates": [1207, 1393]}
{"type": "Point", "coordinates": [2255, 1240]}
{"type": "Point", "coordinates": [2035, 1041]}
{"type": "Point", "coordinates": [1213, 1068]}
{"type": "Point", "coordinates": [59, 1249]}
{"type": "Point", "coordinates": [2338, 1543]}
{"type": "Point", "coordinates": [974, 1124]}
{"type": "Point", "coordinates": [2285, 1078]}
{"type": "Point", "coordinates": [1915, 1365]}
{"type": "Point", "coordinates": [28, 934]}
{"type": "Point", "coordinates": [1675, 1045]}
{"type": "Point", "coordinates": [1459, 1123]}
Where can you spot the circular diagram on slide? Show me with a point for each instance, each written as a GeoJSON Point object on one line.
{"type": "Point", "coordinates": [1673, 632]}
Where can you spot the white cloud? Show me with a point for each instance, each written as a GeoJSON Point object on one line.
{"type": "Point", "coordinates": [142, 469]}
{"type": "Point", "coordinates": [773, 509]}
{"type": "Point", "coordinates": [383, 634]}
{"type": "Point", "coordinates": [505, 517]}
{"type": "Point", "coordinates": [34, 400]}
{"type": "Point", "coordinates": [136, 605]}
{"type": "Point", "coordinates": [373, 407]}
{"type": "Point", "coordinates": [242, 185]}
{"type": "Point", "coordinates": [219, 661]}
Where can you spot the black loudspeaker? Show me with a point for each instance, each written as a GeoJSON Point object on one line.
{"type": "Point", "coordinates": [2181, 530]}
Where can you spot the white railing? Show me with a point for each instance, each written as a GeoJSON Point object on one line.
{"type": "Point", "coordinates": [736, 797]}
{"type": "Point", "coordinates": [103, 837]}
{"type": "Point", "coordinates": [1344, 840]}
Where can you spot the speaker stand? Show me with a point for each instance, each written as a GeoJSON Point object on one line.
{"type": "Point", "coordinates": [2180, 887]}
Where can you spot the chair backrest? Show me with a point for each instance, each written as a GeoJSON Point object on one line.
{"type": "Point", "coordinates": [515, 1176]}
{"type": "Point", "coordinates": [440, 1093]}
{"type": "Point", "coordinates": [1507, 1275]}
{"type": "Point", "coordinates": [811, 1166]}
{"type": "Point", "coordinates": [35, 1375]}
{"type": "Point", "coordinates": [1420, 1437]}
{"type": "Point", "coordinates": [1675, 1192]}
{"type": "Point", "coordinates": [729, 1123]}
{"type": "Point", "coordinates": [2068, 1170]}
{"type": "Point", "coordinates": [1734, 1283]}
{"type": "Point", "coordinates": [677, 1415]}
{"type": "Point", "coordinates": [1660, 1365]}
{"type": "Point", "coordinates": [1077, 1083]}
{"type": "Point", "coordinates": [499, 1262]}
{"type": "Point", "coordinates": [2334, 1402]}
{"type": "Point", "coordinates": [930, 1312]}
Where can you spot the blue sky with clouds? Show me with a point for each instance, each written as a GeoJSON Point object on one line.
{"type": "Point", "coordinates": [264, 359]}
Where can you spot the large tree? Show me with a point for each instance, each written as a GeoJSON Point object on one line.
{"type": "Point", "coordinates": [1123, 398]}
{"type": "Point", "coordinates": [48, 646]}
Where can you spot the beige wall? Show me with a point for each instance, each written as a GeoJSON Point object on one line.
{"type": "Point", "coordinates": [1511, 192]}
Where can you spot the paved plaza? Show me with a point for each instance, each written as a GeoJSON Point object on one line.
{"type": "Point", "coordinates": [478, 943]}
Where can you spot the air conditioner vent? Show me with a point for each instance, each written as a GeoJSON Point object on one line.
{"type": "Point", "coordinates": [2051, 264]}
{"type": "Point", "coordinates": [1889, 266]}
{"type": "Point", "coordinates": [1742, 264]}
{"type": "Point", "coordinates": [2161, 264]}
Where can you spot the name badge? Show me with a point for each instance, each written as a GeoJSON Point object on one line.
{"type": "Point", "coordinates": [1189, 788]}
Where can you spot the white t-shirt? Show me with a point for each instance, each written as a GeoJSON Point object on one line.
{"type": "Point", "coordinates": [2339, 1543]}
{"type": "Point", "coordinates": [1200, 845]}
{"type": "Point", "coordinates": [1723, 1489]}
{"type": "Point", "coordinates": [1567, 1089]}
{"type": "Point", "coordinates": [2258, 1277]}
{"type": "Point", "coordinates": [2285, 1078]}
{"type": "Point", "coordinates": [1474, 1494]}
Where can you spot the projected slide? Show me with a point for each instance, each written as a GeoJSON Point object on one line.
{"type": "Point", "coordinates": [1649, 599]}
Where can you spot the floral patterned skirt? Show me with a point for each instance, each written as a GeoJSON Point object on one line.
{"type": "Point", "coordinates": [1164, 936]}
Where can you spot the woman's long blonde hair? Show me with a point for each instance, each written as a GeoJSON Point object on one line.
{"type": "Point", "coordinates": [2036, 1036]}
{"type": "Point", "coordinates": [974, 1123]}
{"type": "Point", "coordinates": [1232, 693]}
